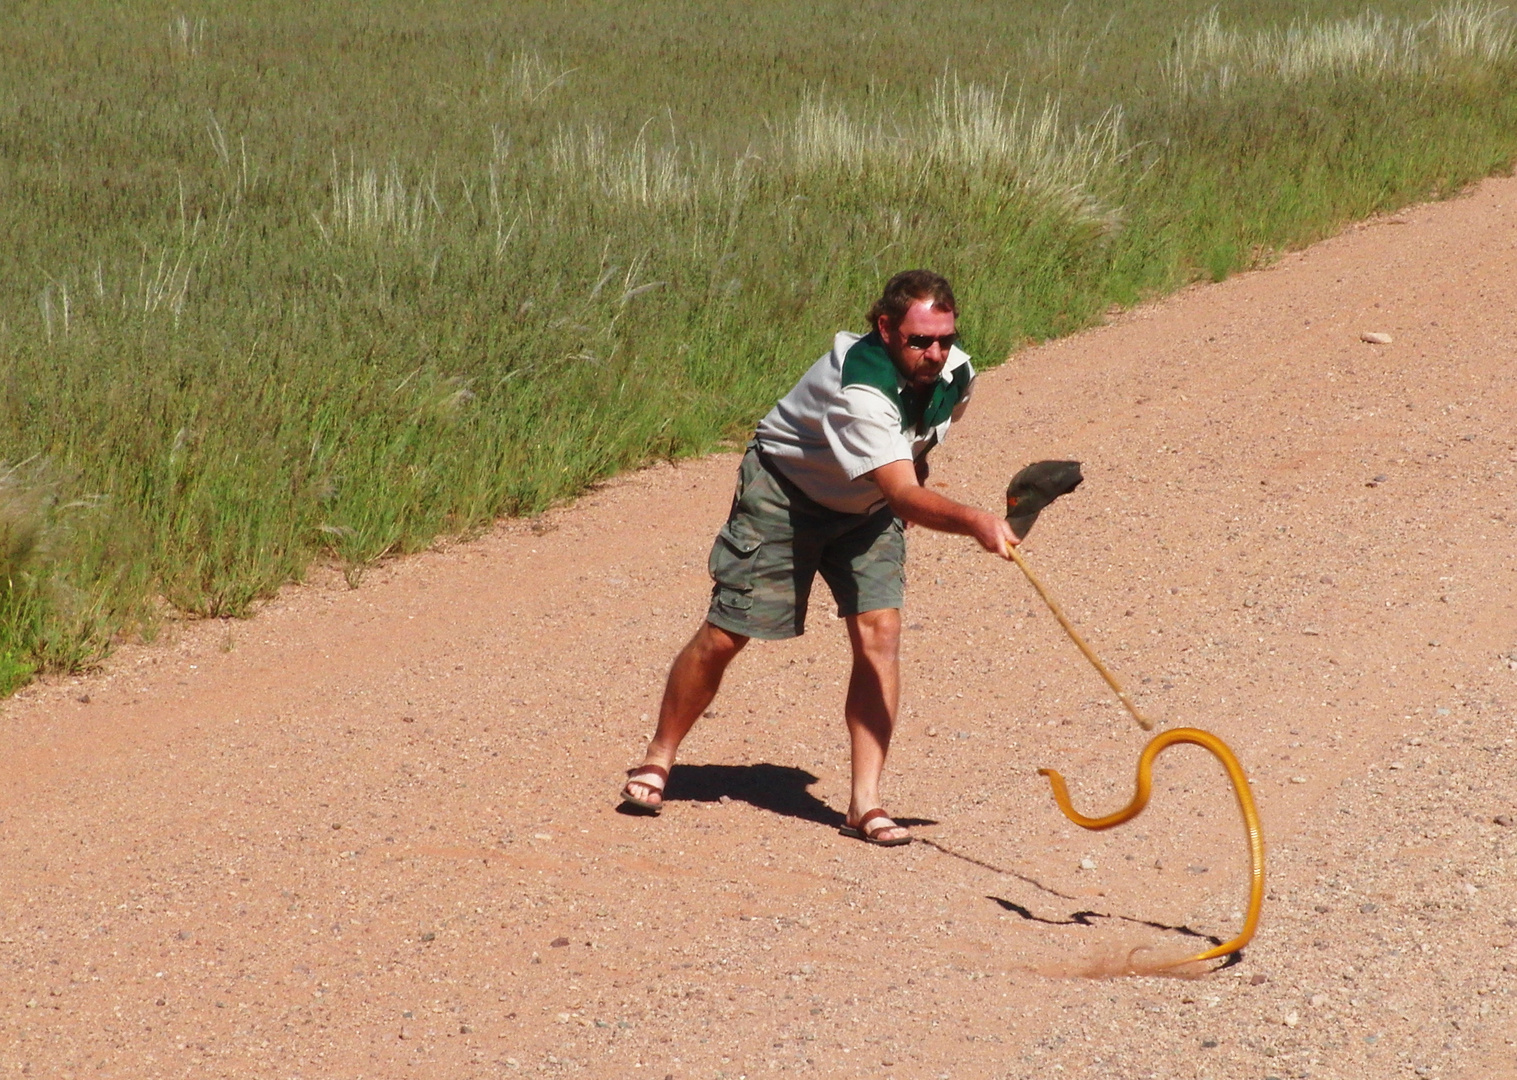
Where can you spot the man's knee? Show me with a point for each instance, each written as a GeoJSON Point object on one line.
{"type": "Point", "coordinates": [717, 644]}
{"type": "Point", "coordinates": [877, 634]}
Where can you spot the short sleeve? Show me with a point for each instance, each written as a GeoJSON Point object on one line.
{"type": "Point", "coordinates": [864, 431]}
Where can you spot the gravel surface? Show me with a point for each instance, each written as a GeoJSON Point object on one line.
{"type": "Point", "coordinates": [373, 833]}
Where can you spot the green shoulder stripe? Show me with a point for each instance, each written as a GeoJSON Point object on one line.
{"type": "Point", "coordinates": [868, 364]}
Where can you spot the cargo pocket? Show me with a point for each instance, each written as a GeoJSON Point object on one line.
{"type": "Point", "coordinates": [731, 564]}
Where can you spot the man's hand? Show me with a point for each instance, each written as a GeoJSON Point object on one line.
{"type": "Point", "coordinates": [918, 505]}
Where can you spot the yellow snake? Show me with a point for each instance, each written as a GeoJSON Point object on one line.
{"type": "Point", "coordinates": [1140, 799]}
{"type": "Point", "coordinates": [1196, 737]}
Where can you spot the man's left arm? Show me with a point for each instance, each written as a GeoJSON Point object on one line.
{"type": "Point", "coordinates": [913, 503]}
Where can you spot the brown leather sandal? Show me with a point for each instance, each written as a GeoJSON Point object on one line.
{"type": "Point", "coordinates": [863, 832]}
{"type": "Point", "coordinates": [644, 775]}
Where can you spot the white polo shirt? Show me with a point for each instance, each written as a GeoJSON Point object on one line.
{"type": "Point", "coordinates": [853, 412]}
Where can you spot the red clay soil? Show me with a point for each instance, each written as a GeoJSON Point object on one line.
{"type": "Point", "coordinates": [373, 832]}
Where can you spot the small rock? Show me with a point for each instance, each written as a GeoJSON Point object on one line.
{"type": "Point", "coordinates": [558, 943]}
{"type": "Point", "coordinates": [1396, 765]}
{"type": "Point", "coordinates": [1368, 908]}
{"type": "Point", "coordinates": [465, 1029]}
{"type": "Point", "coordinates": [1322, 909]}
{"type": "Point", "coordinates": [429, 936]}
{"type": "Point", "coordinates": [1318, 1000]}
{"type": "Point", "coordinates": [84, 699]}
{"type": "Point", "coordinates": [1505, 820]}
{"type": "Point", "coordinates": [1197, 869]}
{"type": "Point", "coordinates": [1207, 1044]}
{"type": "Point", "coordinates": [1371, 337]}
{"type": "Point", "coordinates": [1292, 1019]}
{"type": "Point", "coordinates": [725, 799]}
{"type": "Point", "coordinates": [1311, 631]}
{"type": "Point", "coordinates": [542, 836]}
{"type": "Point", "coordinates": [1325, 579]}
{"type": "Point", "coordinates": [1298, 779]}
{"type": "Point", "coordinates": [932, 733]}
{"type": "Point", "coordinates": [1258, 980]}
{"type": "Point", "coordinates": [1087, 863]}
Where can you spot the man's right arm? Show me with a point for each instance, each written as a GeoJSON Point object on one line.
{"type": "Point", "coordinates": [912, 502]}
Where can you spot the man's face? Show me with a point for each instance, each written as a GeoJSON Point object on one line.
{"type": "Point", "coordinates": [916, 343]}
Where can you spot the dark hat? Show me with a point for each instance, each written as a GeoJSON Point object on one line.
{"type": "Point", "coordinates": [1034, 487]}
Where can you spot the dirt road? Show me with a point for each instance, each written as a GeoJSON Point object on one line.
{"type": "Point", "coordinates": [372, 833]}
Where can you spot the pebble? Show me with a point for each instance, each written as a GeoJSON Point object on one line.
{"type": "Point", "coordinates": [1371, 337]}
{"type": "Point", "coordinates": [1298, 779]}
{"type": "Point", "coordinates": [932, 733]}
{"type": "Point", "coordinates": [1318, 1000]}
{"type": "Point", "coordinates": [558, 943]}
{"type": "Point", "coordinates": [1505, 819]}
{"type": "Point", "coordinates": [1292, 1019]}
{"type": "Point", "coordinates": [1369, 909]}
{"type": "Point", "coordinates": [1087, 864]}
{"type": "Point", "coordinates": [1258, 980]}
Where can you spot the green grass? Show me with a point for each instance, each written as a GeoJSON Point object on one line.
{"type": "Point", "coordinates": [282, 281]}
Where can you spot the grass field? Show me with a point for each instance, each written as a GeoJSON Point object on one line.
{"type": "Point", "coordinates": [282, 281]}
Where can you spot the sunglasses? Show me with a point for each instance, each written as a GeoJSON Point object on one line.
{"type": "Point", "coordinates": [923, 342]}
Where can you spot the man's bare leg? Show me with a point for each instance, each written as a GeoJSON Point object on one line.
{"type": "Point", "coordinates": [693, 680]}
{"type": "Point", "coordinates": [874, 692]}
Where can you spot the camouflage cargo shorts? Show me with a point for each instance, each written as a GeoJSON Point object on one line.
{"type": "Point", "coordinates": [775, 542]}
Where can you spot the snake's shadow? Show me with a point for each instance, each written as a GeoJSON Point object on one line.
{"type": "Point", "coordinates": [779, 789]}
{"type": "Point", "coordinates": [1087, 918]}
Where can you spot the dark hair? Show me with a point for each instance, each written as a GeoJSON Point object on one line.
{"type": "Point", "coordinates": [908, 287]}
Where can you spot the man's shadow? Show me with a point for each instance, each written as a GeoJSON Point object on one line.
{"type": "Point", "coordinates": [779, 789]}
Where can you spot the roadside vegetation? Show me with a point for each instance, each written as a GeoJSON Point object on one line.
{"type": "Point", "coordinates": [282, 281]}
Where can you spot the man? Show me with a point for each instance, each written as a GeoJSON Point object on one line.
{"type": "Point", "coordinates": [831, 475]}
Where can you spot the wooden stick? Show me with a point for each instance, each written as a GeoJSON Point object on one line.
{"type": "Point", "coordinates": [1074, 635]}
